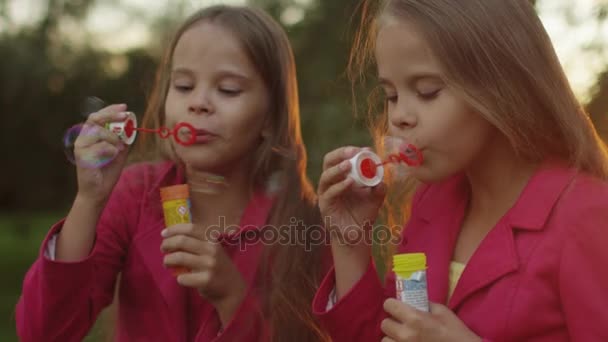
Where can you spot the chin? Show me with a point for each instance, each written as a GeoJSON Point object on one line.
{"type": "Point", "coordinates": [427, 175]}
{"type": "Point", "coordinates": [198, 160]}
{"type": "Point", "coordinates": [206, 165]}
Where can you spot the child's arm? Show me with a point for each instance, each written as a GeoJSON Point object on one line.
{"type": "Point", "coordinates": [61, 299]}
{"type": "Point", "coordinates": [356, 316]}
{"type": "Point", "coordinates": [349, 212]}
{"type": "Point", "coordinates": [63, 293]}
{"type": "Point", "coordinates": [94, 144]}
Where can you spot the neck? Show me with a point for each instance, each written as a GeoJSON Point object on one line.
{"type": "Point", "coordinates": [496, 180]}
{"type": "Point", "coordinates": [217, 196]}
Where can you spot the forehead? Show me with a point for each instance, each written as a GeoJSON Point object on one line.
{"type": "Point", "coordinates": [401, 47]}
{"type": "Point", "coordinates": [208, 43]}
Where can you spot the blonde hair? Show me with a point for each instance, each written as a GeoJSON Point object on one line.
{"type": "Point", "coordinates": [497, 57]}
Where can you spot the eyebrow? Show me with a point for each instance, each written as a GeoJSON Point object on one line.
{"type": "Point", "coordinates": [225, 73]}
{"type": "Point", "coordinates": [413, 78]}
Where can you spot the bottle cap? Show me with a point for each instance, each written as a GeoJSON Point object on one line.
{"type": "Point", "coordinates": [125, 129]}
{"type": "Point", "coordinates": [366, 169]}
{"type": "Point", "coordinates": [174, 192]}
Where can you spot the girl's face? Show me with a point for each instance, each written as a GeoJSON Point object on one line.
{"type": "Point", "coordinates": [422, 109]}
{"type": "Point", "coordinates": [215, 87]}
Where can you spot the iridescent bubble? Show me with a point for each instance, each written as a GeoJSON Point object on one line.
{"type": "Point", "coordinates": [393, 145]}
{"type": "Point", "coordinates": [69, 138]}
{"type": "Point", "coordinates": [92, 104]}
{"type": "Point", "coordinates": [402, 154]}
{"type": "Point", "coordinates": [91, 159]}
{"type": "Point", "coordinates": [205, 182]}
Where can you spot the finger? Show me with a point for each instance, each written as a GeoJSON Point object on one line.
{"type": "Point", "coordinates": [333, 175]}
{"type": "Point", "coordinates": [189, 260]}
{"type": "Point", "coordinates": [395, 330]}
{"type": "Point", "coordinates": [97, 152]}
{"type": "Point", "coordinates": [211, 236]}
{"type": "Point", "coordinates": [401, 311]}
{"type": "Point", "coordinates": [92, 133]}
{"type": "Point", "coordinates": [194, 279]}
{"type": "Point", "coordinates": [187, 229]}
{"type": "Point", "coordinates": [362, 191]}
{"type": "Point", "coordinates": [108, 114]}
{"type": "Point", "coordinates": [387, 339]}
{"type": "Point", "coordinates": [439, 309]}
{"type": "Point", "coordinates": [337, 190]}
{"type": "Point", "coordinates": [336, 156]}
{"type": "Point", "coordinates": [184, 243]}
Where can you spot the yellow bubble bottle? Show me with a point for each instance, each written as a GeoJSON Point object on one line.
{"type": "Point", "coordinates": [410, 280]}
{"type": "Point", "coordinates": [176, 209]}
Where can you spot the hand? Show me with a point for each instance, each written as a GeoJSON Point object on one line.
{"type": "Point", "coordinates": [409, 324]}
{"type": "Point", "coordinates": [94, 144]}
{"type": "Point", "coordinates": [347, 207]}
{"type": "Point", "coordinates": [212, 272]}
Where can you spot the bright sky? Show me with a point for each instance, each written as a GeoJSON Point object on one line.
{"type": "Point", "coordinates": [107, 22]}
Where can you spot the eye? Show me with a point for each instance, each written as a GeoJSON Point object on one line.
{"type": "Point", "coordinates": [428, 95]}
{"type": "Point", "coordinates": [183, 88]}
{"type": "Point", "coordinates": [391, 98]}
{"type": "Point", "coordinates": [390, 95]}
{"type": "Point", "coordinates": [230, 91]}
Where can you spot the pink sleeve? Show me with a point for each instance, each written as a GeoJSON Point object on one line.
{"type": "Point", "coordinates": [358, 314]}
{"type": "Point", "coordinates": [61, 300]}
{"type": "Point", "coordinates": [583, 279]}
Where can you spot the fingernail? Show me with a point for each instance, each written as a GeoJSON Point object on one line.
{"type": "Point", "coordinates": [122, 115]}
{"type": "Point", "coordinates": [164, 233]}
{"type": "Point", "coordinates": [344, 165]}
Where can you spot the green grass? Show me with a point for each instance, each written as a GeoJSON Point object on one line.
{"type": "Point", "coordinates": [20, 238]}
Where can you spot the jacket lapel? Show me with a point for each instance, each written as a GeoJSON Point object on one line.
{"type": "Point", "coordinates": [433, 230]}
{"type": "Point", "coordinates": [494, 258]}
{"type": "Point", "coordinates": [497, 255]}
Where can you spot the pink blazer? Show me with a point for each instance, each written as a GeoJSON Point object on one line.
{"type": "Point", "coordinates": [541, 274]}
{"type": "Point", "coordinates": [61, 301]}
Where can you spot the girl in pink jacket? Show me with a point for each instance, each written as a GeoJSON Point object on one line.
{"type": "Point", "coordinates": [512, 209]}
{"type": "Point", "coordinates": [230, 73]}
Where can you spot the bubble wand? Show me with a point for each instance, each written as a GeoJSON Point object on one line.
{"type": "Point", "coordinates": [367, 169]}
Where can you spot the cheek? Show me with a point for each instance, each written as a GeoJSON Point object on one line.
{"type": "Point", "coordinates": [454, 136]}
{"type": "Point", "coordinates": [247, 118]}
{"type": "Point", "coordinates": [468, 142]}
{"type": "Point", "coordinates": [246, 130]}
{"type": "Point", "coordinates": [170, 109]}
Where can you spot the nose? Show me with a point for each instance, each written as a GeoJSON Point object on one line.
{"type": "Point", "coordinates": [403, 118]}
{"type": "Point", "coordinates": [200, 103]}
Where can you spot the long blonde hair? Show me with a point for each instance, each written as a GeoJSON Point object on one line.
{"type": "Point", "coordinates": [497, 57]}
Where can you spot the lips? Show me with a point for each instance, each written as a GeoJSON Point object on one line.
{"type": "Point", "coordinates": [200, 131]}
{"type": "Point", "coordinates": [201, 136]}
